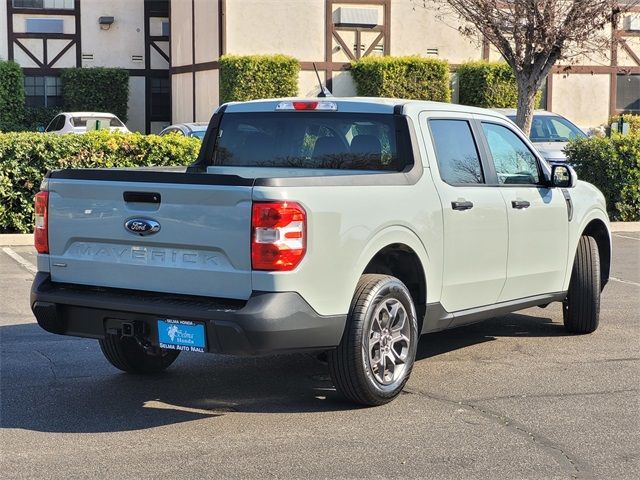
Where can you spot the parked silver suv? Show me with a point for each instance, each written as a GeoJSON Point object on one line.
{"type": "Point", "coordinates": [550, 133]}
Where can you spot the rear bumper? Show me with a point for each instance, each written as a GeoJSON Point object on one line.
{"type": "Point", "coordinates": [266, 322]}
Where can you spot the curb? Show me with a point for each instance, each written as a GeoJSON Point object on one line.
{"type": "Point", "coordinates": [16, 239]}
{"type": "Point", "coordinates": [625, 226]}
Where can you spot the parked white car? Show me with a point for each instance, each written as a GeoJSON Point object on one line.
{"type": "Point", "coordinates": [550, 133]}
{"type": "Point", "coordinates": [81, 122]}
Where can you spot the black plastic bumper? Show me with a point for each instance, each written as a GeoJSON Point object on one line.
{"type": "Point", "coordinates": [266, 322]}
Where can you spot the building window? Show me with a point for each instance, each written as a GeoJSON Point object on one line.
{"type": "Point", "coordinates": [42, 91]}
{"type": "Point", "coordinates": [54, 4]}
{"type": "Point", "coordinates": [160, 98]}
{"type": "Point", "coordinates": [44, 25]}
{"type": "Point", "coordinates": [628, 95]}
{"type": "Point", "coordinates": [166, 28]}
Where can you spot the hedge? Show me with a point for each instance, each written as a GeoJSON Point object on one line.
{"type": "Point", "coordinates": [632, 119]}
{"type": "Point", "coordinates": [26, 157]}
{"type": "Point", "coordinates": [96, 90]}
{"type": "Point", "coordinates": [613, 165]}
{"type": "Point", "coordinates": [251, 77]}
{"type": "Point", "coordinates": [488, 85]}
{"type": "Point", "coordinates": [402, 77]}
{"type": "Point", "coordinates": [11, 95]}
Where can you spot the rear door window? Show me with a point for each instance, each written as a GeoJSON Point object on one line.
{"type": "Point", "coordinates": [322, 140]}
{"type": "Point", "coordinates": [456, 152]}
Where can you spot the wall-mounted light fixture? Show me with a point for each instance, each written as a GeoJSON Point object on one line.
{"type": "Point", "coordinates": [105, 22]}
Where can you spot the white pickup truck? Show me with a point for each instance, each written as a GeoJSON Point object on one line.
{"type": "Point", "coordinates": [350, 226]}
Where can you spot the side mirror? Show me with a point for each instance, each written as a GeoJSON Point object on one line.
{"type": "Point", "coordinates": [40, 129]}
{"type": "Point", "coordinates": [563, 176]}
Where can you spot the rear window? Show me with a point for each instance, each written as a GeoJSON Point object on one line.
{"type": "Point", "coordinates": [309, 140]}
{"type": "Point", "coordinates": [104, 122]}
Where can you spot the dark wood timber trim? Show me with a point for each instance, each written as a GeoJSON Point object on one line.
{"type": "Point", "coordinates": [197, 67]}
{"type": "Point", "coordinates": [61, 53]}
{"type": "Point", "coordinates": [45, 66]}
{"type": "Point", "coordinates": [170, 77]}
{"type": "Point", "coordinates": [613, 76]}
{"type": "Point", "coordinates": [549, 105]}
{"type": "Point", "coordinates": [28, 52]}
{"type": "Point", "coordinates": [147, 66]}
{"type": "Point", "coordinates": [344, 46]}
{"type": "Point", "coordinates": [193, 56]}
{"type": "Point", "coordinates": [155, 46]}
{"type": "Point", "coordinates": [595, 69]}
{"type": "Point", "coordinates": [374, 44]}
{"type": "Point", "coordinates": [78, 31]}
{"type": "Point", "coordinates": [47, 36]}
{"type": "Point", "coordinates": [625, 46]}
{"type": "Point", "coordinates": [387, 27]}
{"type": "Point", "coordinates": [43, 11]}
{"type": "Point", "coordinates": [222, 27]}
{"type": "Point", "coordinates": [328, 43]}
{"type": "Point", "coordinates": [9, 29]}
{"type": "Point", "coordinates": [148, 73]}
{"type": "Point", "coordinates": [332, 31]}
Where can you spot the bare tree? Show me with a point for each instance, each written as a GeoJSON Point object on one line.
{"type": "Point", "coordinates": [532, 35]}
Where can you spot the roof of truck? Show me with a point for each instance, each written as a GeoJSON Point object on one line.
{"type": "Point", "coordinates": [356, 105]}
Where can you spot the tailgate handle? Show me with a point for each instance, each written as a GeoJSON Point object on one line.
{"type": "Point", "coordinates": [141, 197]}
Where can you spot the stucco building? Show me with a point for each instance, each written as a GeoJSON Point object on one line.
{"type": "Point", "coordinates": [172, 49]}
{"type": "Point", "coordinates": [46, 36]}
{"type": "Point", "coordinates": [333, 32]}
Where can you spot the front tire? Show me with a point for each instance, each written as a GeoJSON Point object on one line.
{"type": "Point", "coordinates": [581, 309]}
{"type": "Point", "coordinates": [126, 354]}
{"type": "Point", "coordinates": [376, 354]}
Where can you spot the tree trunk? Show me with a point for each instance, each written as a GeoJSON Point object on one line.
{"type": "Point", "coordinates": [526, 104]}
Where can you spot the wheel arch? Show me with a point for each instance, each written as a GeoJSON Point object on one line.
{"type": "Point", "coordinates": [597, 229]}
{"type": "Point", "coordinates": [404, 260]}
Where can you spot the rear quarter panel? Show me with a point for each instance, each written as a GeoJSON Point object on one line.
{"type": "Point", "coordinates": [347, 226]}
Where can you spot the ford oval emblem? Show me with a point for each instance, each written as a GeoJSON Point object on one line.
{"type": "Point", "coordinates": [142, 226]}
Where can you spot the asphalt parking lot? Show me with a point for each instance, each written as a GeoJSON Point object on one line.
{"type": "Point", "coordinates": [513, 397]}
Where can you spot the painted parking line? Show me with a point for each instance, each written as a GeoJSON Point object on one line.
{"type": "Point", "coordinates": [23, 262]}
{"type": "Point", "coordinates": [626, 236]}
{"type": "Point", "coordinates": [624, 281]}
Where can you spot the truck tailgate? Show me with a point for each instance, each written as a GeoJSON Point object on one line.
{"type": "Point", "coordinates": [201, 248]}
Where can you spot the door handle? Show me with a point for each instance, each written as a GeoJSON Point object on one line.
{"type": "Point", "coordinates": [141, 197]}
{"type": "Point", "coordinates": [520, 204]}
{"type": "Point", "coordinates": [462, 205]}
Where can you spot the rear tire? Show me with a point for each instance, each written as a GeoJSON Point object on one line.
{"type": "Point", "coordinates": [376, 354]}
{"type": "Point", "coordinates": [126, 354]}
{"type": "Point", "coordinates": [581, 309]}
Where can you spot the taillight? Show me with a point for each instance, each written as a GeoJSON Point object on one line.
{"type": "Point", "coordinates": [41, 231]}
{"type": "Point", "coordinates": [278, 231]}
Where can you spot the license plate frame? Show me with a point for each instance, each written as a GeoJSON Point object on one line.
{"type": "Point", "coordinates": [184, 335]}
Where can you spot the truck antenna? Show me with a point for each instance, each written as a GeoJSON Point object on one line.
{"type": "Point", "coordinates": [324, 91]}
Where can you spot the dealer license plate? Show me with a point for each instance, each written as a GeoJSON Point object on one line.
{"type": "Point", "coordinates": [181, 335]}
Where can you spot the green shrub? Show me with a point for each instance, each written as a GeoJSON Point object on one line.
{"type": "Point", "coordinates": [35, 117]}
{"type": "Point", "coordinates": [26, 157]}
{"type": "Point", "coordinates": [632, 119]}
{"type": "Point", "coordinates": [250, 77]}
{"type": "Point", "coordinates": [11, 95]}
{"type": "Point", "coordinates": [613, 165]}
{"type": "Point", "coordinates": [96, 90]}
{"type": "Point", "coordinates": [488, 85]}
{"type": "Point", "coordinates": [402, 77]}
